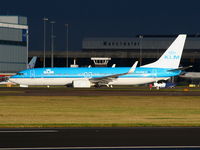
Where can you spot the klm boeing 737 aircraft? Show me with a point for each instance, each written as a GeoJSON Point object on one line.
{"type": "Point", "coordinates": [165, 67]}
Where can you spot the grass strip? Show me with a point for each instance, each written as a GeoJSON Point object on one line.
{"type": "Point", "coordinates": [101, 111]}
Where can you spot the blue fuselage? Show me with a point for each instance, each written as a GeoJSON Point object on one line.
{"type": "Point", "coordinates": [91, 76]}
{"type": "Point", "coordinates": [95, 72]}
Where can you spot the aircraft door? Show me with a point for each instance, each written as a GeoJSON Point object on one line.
{"type": "Point", "coordinates": [32, 73]}
{"type": "Point", "coordinates": [154, 73]}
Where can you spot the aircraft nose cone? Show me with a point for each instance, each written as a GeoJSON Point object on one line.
{"type": "Point", "coordinates": [12, 80]}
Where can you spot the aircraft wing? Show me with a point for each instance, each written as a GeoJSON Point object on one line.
{"type": "Point", "coordinates": [107, 79]}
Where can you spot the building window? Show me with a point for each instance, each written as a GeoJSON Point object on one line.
{"type": "Point", "coordinates": [105, 43]}
{"type": "Point", "coordinates": [20, 43]}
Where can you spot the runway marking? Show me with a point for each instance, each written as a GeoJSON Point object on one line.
{"type": "Point", "coordinates": [30, 131]}
{"type": "Point", "coordinates": [103, 148]}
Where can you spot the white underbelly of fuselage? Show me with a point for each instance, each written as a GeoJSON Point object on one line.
{"type": "Point", "coordinates": [66, 81]}
{"type": "Point", "coordinates": [43, 81]}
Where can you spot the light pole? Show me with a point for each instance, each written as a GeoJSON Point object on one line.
{"type": "Point", "coordinates": [52, 43]}
{"type": "Point", "coordinates": [140, 49]}
{"type": "Point", "coordinates": [44, 19]}
{"type": "Point", "coordinates": [27, 45]}
{"type": "Point", "coordinates": [67, 47]}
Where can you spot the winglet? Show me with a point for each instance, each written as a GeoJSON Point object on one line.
{"type": "Point", "coordinates": [113, 66]}
{"type": "Point", "coordinates": [133, 67]}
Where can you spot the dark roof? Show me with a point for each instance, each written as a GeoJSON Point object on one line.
{"type": "Point", "coordinates": [167, 36]}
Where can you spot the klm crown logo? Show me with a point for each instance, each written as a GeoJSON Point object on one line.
{"type": "Point", "coordinates": [48, 71]}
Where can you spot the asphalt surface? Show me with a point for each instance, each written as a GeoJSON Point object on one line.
{"type": "Point", "coordinates": [99, 137]}
{"type": "Point", "coordinates": [94, 92]}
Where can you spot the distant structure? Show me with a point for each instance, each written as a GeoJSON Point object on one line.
{"type": "Point", "coordinates": [74, 65]}
{"type": "Point", "coordinates": [13, 44]}
{"type": "Point", "coordinates": [145, 43]}
{"type": "Point", "coordinates": [100, 61]}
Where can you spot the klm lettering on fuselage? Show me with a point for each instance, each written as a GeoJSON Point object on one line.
{"type": "Point", "coordinates": [48, 72]}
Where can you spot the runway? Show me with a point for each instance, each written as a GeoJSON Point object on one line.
{"type": "Point", "coordinates": [111, 148]}
{"type": "Point", "coordinates": [100, 137]}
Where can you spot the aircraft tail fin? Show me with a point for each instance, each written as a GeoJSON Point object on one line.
{"type": "Point", "coordinates": [32, 62]}
{"type": "Point", "coordinates": [172, 56]}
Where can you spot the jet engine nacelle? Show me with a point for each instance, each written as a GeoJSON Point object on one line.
{"type": "Point", "coordinates": [81, 84]}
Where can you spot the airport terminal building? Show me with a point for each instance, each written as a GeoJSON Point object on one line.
{"type": "Point", "coordinates": [13, 44]}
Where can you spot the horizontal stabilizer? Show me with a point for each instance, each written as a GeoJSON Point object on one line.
{"type": "Point", "coordinates": [181, 68]}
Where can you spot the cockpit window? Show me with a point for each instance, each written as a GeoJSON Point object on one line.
{"type": "Point", "coordinates": [20, 74]}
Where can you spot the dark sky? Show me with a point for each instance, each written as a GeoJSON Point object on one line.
{"type": "Point", "coordinates": [104, 18]}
